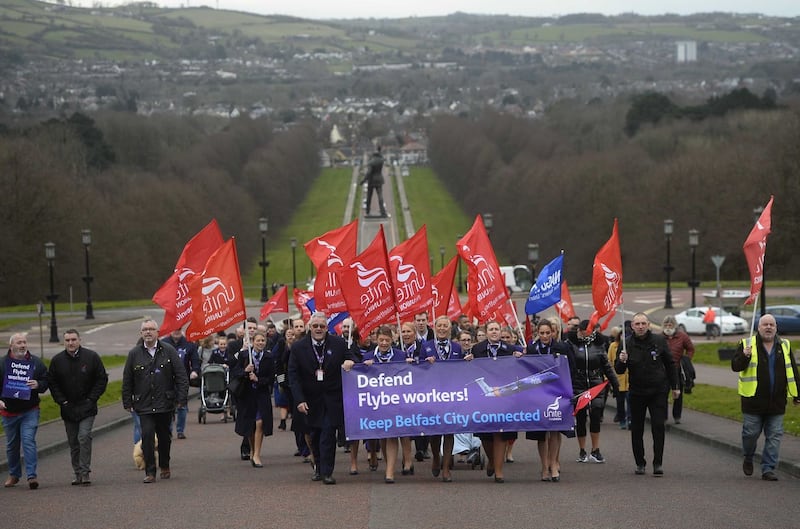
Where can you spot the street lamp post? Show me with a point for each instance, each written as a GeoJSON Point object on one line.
{"type": "Point", "coordinates": [86, 239]}
{"type": "Point", "coordinates": [488, 223]}
{"type": "Point", "coordinates": [294, 262]}
{"type": "Point", "coordinates": [460, 286]}
{"type": "Point", "coordinates": [763, 302]}
{"type": "Point", "coordinates": [50, 255]}
{"type": "Point", "coordinates": [441, 255]}
{"type": "Point", "coordinates": [694, 241]}
{"type": "Point", "coordinates": [668, 225]}
{"type": "Point", "coordinates": [263, 225]}
{"type": "Point", "coordinates": [533, 258]}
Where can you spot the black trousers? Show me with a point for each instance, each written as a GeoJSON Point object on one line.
{"type": "Point", "coordinates": [155, 424]}
{"type": "Point", "coordinates": [323, 446]}
{"type": "Point", "coordinates": [656, 404]}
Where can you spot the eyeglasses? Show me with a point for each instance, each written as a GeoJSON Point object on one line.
{"type": "Point", "coordinates": [149, 329]}
{"type": "Point", "coordinates": [318, 326]}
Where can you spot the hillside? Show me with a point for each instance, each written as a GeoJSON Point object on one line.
{"type": "Point", "coordinates": [31, 29]}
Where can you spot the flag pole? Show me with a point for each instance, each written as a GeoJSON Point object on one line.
{"type": "Point", "coordinates": [400, 333]}
{"type": "Point", "coordinates": [752, 321]}
{"type": "Point", "coordinates": [519, 325]}
{"type": "Point", "coordinates": [622, 314]}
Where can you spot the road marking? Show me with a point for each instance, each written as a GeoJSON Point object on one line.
{"type": "Point", "coordinates": [98, 328]}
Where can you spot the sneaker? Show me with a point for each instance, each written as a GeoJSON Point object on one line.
{"type": "Point", "coordinates": [582, 457]}
{"type": "Point", "coordinates": [677, 420]}
{"type": "Point", "coordinates": [657, 470]}
{"type": "Point", "coordinates": [639, 470]}
{"type": "Point", "coordinates": [181, 435]}
{"type": "Point", "coordinates": [623, 425]}
{"type": "Point", "coordinates": [596, 456]}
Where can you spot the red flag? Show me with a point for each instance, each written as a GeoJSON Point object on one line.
{"type": "Point", "coordinates": [454, 307]}
{"type": "Point", "coordinates": [503, 315]}
{"type": "Point", "coordinates": [217, 294]}
{"type": "Point", "coordinates": [329, 252]}
{"type": "Point", "coordinates": [586, 397]}
{"type": "Point", "coordinates": [565, 307]}
{"type": "Point", "coordinates": [411, 274]}
{"type": "Point", "coordinates": [441, 289]}
{"type": "Point", "coordinates": [485, 284]}
{"type": "Point", "coordinates": [301, 297]}
{"type": "Point", "coordinates": [366, 283]}
{"type": "Point", "coordinates": [754, 249]}
{"type": "Point", "coordinates": [528, 329]}
{"type": "Point", "coordinates": [277, 303]}
{"type": "Point", "coordinates": [173, 295]}
{"type": "Point", "coordinates": [606, 278]}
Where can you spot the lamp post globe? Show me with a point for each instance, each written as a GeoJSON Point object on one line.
{"type": "Point", "coordinates": [668, 268]}
{"type": "Point", "coordinates": [694, 242]}
{"type": "Point", "coordinates": [293, 242]}
{"type": "Point", "coordinates": [263, 226]}
{"type": "Point", "coordinates": [86, 239]}
{"type": "Point", "coordinates": [50, 255]}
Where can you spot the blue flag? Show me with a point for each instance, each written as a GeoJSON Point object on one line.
{"type": "Point", "coordinates": [546, 291]}
{"type": "Point", "coordinates": [333, 319]}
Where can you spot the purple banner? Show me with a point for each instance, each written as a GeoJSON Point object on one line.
{"type": "Point", "coordinates": [508, 394]}
{"type": "Point", "coordinates": [15, 382]}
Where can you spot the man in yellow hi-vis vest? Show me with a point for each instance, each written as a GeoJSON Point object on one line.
{"type": "Point", "coordinates": [766, 378]}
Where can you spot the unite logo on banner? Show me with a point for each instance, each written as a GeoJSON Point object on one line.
{"type": "Point", "coordinates": [367, 286]}
{"type": "Point", "coordinates": [409, 284]}
{"type": "Point", "coordinates": [613, 282]}
{"type": "Point", "coordinates": [216, 294]}
{"type": "Point", "coordinates": [217, 298]}
{"type": "Point", "coordinates": [411, 272]}
{"type": "Point", "coordinates": [329, 252]}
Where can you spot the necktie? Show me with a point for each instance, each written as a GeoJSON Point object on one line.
{"type": "Point", "coordinates": [443, 348]}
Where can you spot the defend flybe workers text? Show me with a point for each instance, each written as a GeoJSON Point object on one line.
{"type": "Point", "coordinates": [510, 394]}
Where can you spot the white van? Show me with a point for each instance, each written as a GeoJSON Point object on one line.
{"type": "Point", "coordinates": [518, 278]}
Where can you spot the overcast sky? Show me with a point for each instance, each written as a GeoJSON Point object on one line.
{"type": "Point", "coordinates": [405, 8]}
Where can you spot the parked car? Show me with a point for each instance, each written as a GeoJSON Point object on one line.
{"type": "Point", "coordinates": [691, 322]}
{"type": "Point", "coordinates": [787, 317]}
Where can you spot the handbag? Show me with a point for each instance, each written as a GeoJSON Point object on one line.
{"type": "Point", "coordinates": [237, 387]}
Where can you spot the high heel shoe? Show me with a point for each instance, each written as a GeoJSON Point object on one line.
{"type": "Point", "coordinates": [255, 465]}
{"type": "Point", "coordinates": [555, 479]}
{"type": "Point", "coordinates": [408, 471]}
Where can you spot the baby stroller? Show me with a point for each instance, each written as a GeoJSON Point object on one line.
{"type": "Point", "coordinates": [214, 395]}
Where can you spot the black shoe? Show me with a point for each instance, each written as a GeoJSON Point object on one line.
{"type": "Point", "coordinates": [86, 480]}
{"type": "Point", "coordinates": [388, 481]}
{"type": "Point", "coordinates": [747, 467]}
{"type": "Point", "coordinates": [769, 476]}
{"type": "Point", "coordinates": [282, 425]}
{"type": "Point", "coordinates": [499, 480]}
{"type": "Point", "coordinates": [77, 480]}
{"type": "Point", "coordinates": [245, 456]}
{"type": "Point", "coordinates": [316, 477]}
{"type": "Point", "coordinates": [657, 470]}
{"type": "Point", "coordinates": [329, 480]}
{"type": "Point", "coordinates": [181, 435]}
{"type": "Point", "coordinates": [639, 470]}
{"type": "Point", "coordinates": [419, 456]}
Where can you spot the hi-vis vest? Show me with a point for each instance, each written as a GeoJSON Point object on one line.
{"type": "Point", "coordinates": [748, 379]}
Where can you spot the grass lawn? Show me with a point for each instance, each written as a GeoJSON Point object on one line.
{"type": "Point", "coordinates": [724, 402]}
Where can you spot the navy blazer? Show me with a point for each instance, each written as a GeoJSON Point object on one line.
{"type": "Point", "coordinates": [324, 398]}
{"type": "Point", "coordinates": [431, 349]}
{"type": "Point", "coordinates": [481, 350]}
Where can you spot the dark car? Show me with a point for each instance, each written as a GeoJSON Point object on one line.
{"type": "Point", "coordinates": [787, 317]}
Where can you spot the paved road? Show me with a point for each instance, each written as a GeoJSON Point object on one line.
{"type": "Point", "coordinates": [211, 487]}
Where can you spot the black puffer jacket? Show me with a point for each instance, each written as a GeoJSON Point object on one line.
{"type": "Point", "coordinates": [650, 366]}
{"type": "Point", "coordinates": [154, 385]}
{"type": "Point", "coordinates": [591, 365]}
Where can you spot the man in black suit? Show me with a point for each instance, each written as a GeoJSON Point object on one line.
{"type": "Point", "coordinates": [315, 378]}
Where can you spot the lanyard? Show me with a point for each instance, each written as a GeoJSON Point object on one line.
{"type": "Point", "coordinates": [319, 352]}
{"type": "Point", "coordinates": [492, 349]}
